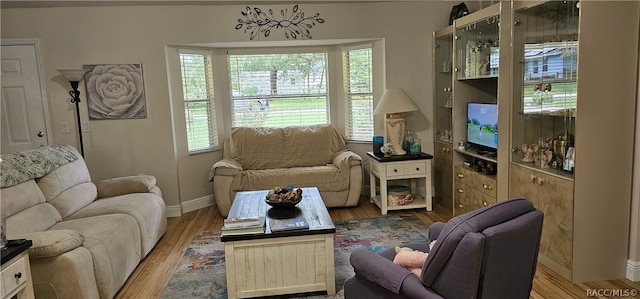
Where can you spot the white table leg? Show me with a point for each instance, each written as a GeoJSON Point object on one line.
{"type": "Point", "coordinates": [428, 196]}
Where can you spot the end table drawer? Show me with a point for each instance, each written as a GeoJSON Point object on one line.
{"type": "Point", "coordinates": [400, 169]}
{"type": "Point", "coordinates": [14, 275]}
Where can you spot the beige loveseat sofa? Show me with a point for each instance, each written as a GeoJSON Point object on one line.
{"type": "Point", "coordinates": [87, 238]}
{"type": "Point", "coordinates": [304, 156]}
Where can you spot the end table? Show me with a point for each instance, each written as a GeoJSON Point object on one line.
{"type": "Point", "coordinates": [16, 272]}
{"type": "Point", "coordinates": [399, 168]}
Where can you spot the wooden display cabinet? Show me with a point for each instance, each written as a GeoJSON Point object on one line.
{"type": "Point", "coordinates": [579, 169]}
{"type": "Point", "coordinates": [552, 195]}
{"type": "Point", "coordinates": [477, 42]}
{"type": "Point", "coordinates": [443, 118]}
{"type": "Point", "coordinates": [561, 72]}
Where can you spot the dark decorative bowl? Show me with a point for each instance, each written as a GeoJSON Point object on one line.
{"type": "Point", "coordinates": [284, 199]}
{"type": "Point", "coordinates": [282, 204]}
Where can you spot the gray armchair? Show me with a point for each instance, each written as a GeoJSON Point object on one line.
{"type": "Point", "coordinates": [487, 253]}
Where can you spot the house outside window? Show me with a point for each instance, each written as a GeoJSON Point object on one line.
{"type": "Point", "coordinates": [357, 66]}
{"type": "Point", "coordinates": [199, 107]}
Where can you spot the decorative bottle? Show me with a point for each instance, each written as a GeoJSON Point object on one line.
{"type": "Point", "coordinates": [408, 140]}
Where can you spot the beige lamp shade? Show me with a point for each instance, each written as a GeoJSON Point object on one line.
{"type": "Point", "coordinates": [395, 100]}
{"type": "Point", "coordinates": [73, 75]}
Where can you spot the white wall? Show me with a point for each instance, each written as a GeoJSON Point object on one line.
{"type": "Point", "coordinates": [73, 36]}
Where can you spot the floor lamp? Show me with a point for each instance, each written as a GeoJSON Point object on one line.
{"type": "Point", "coordinates": [394, 101]}
{"type": "Point", "coordinates": [74, 77]}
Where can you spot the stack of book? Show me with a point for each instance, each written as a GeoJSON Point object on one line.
{"type": "Point", "coordinates": [244, 226]}
{"type": "Point", "coordinates": [279, 225]}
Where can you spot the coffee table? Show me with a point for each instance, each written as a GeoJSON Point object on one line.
{"type": "Point", "coordinates": [277, 263]}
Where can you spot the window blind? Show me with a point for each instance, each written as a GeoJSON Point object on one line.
{"type": "Point", "coordinates": [199, 107]}
{"type": "Point", "coordinates": [358, 88]}
{"type": "Point", "coordinates": [550, 71]}
{"type": "Point", "coordinates": [279, 90]}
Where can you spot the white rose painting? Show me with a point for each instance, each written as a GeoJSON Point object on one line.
{"type": "Point", "coordinates": [115, 91]}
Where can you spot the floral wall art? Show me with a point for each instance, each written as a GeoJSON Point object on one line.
{"type": "Point", "coordinates": [115, 91]}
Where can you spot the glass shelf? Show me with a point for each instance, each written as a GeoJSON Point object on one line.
{"type": "Point", "coordinates": [477, 49]}
{"type": "Point", "coordinates": [443, 91]}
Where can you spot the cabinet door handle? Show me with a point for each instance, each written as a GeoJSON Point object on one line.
{"type": "Point", "coordinates": [484, 203]}
{"type": "Point", "coordinates": [533, 178]}
{"type": "Point", "coordinates": [18, 275]}
{"type": "Point", "coordinates": [460, 206]}
{"type": "Point", "coordinates": [395, 170]}
{"type": "Point", "coordinates": [540, 181]}
{"type": "Point", "coordinates": [417, 168]}
{"type": "Point", "coordinates": [460, 175]}
{"type": "Point", "coordinates": [460, 190]}
{"type": "Point", "coordinates": [488, 187]}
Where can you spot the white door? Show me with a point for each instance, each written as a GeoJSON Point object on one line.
{"type": "Point", "coordinates": [23, 118]}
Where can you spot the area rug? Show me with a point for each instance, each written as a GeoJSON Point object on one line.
{"type": "Point", "coordinates": [201, 272]}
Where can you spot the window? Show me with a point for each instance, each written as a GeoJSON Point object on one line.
{"type": "Point", "coordinates": [199, 108]}
{"type": "Point", "coordinates": [357, 65]}
{"type": "Point", "coordinates": [279, 90]}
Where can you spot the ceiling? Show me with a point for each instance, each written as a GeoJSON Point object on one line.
{"type": "Point", "coordinates": [57, 3]}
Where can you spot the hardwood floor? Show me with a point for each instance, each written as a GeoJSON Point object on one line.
{"type": "Point", "coordinates": [152, 275]}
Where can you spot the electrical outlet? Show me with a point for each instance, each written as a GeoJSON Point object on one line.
{"type": "Point", "coordinates": [64, 127]}
{"type": "Point", "coordinates": [85, 126]}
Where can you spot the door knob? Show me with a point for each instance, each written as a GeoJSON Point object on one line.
{"type": "Point", "coordinates": [40, 134]}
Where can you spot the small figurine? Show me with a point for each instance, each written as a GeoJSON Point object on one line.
{"type": "Point", "coordinates": [545, 158]}
{"type": "Point", "coordinates": [545, 152]}
{"type": "Point", "coordinates": [536, 154]}
{"type": "Point", "coordinates": [387, 149]}
{"type": "Point", "coordinates": [528, 153]}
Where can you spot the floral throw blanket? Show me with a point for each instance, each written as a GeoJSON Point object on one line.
{"type": "Point", "coordinates": [26, 165]}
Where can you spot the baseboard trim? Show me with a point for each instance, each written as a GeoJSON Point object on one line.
{"type": "Point", "coordinates": [633, 270]}
{"type": "Point", "coordinates": [173, 211]}
{"type": "Point", "coordinates": [551, 264]}
{"type": "Point", "coordinates": [190, 205]}
{"type": "Point", "coordinates": [198, 203]}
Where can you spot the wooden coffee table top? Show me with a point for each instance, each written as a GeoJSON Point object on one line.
{"type": "Point", "coordinates": [251, 203]}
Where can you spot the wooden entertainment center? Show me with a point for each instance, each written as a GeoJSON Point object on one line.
{"type": "Point", "coordinates": [526, 58]}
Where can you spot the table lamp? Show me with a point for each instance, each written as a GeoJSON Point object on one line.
{"type": "Point", "coordinates": [393, 102]}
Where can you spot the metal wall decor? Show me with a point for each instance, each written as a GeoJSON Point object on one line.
{"type": "Point", "coordinates": [294, 23]}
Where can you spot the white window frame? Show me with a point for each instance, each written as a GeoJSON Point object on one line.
{"type": "Point", "coordinates": [222, 90]}
{"type": "Point", "coordinates": [346, 93]}
{"type": "Point", "coordinates": [289, 50]}
{"type": "Point", "coordinates": [214, 132]}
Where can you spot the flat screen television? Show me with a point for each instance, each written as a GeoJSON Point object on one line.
{"type": "Point", "coordinates": [482, 126]}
